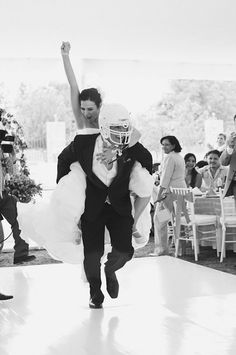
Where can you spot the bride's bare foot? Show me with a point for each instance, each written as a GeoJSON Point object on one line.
{"type": "Point", "coordinates": [139, 239]}
{"type": "Point", "coordinates": [137, 235]}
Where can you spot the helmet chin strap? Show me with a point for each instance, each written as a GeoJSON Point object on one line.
{"type": "Point", "coordinates": [116, 147]}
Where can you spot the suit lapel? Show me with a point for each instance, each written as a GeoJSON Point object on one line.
{"type": "Point", "coordinates": [88, 164]}
{"type": "Point", "coordinates": [120, 166]}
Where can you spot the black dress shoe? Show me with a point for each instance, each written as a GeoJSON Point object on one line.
{"type": "Point", "coordinates": [96, 300]}
{"type": "Point", "coordinates": [5, 297]}
{"type": "Point", "coordinates": [94, 305]}
{"type": "Point", "coordinates": [23, 259]}
{"type": "Point", "coordinates": [112, 284]}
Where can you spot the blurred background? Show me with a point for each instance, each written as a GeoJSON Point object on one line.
{"type": "Point", "coordinates": [172, 63]}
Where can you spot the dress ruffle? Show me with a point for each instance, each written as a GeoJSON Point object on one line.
{"type": "Point", "coordinates": [53, 223]}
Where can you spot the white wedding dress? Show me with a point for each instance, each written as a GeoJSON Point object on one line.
{"type": "Point", "coordinates": [53, 224]}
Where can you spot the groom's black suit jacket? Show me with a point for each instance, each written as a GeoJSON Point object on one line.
{"type": "Point", "coordinates": [81, 150]}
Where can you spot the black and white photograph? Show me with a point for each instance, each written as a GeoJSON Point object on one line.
{"type": "Point", "coordinates": [117, 177]}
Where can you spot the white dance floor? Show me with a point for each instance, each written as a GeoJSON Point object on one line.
{"type": "Point", "coordinates": [166, 306]}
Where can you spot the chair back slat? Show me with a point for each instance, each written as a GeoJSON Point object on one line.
{"type": "Point", "coordinates": [228, 207]}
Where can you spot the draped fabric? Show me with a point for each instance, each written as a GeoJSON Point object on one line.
{"type": "Point", "coordinates": [53, 224]}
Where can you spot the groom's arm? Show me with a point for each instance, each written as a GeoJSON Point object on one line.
{"type": "Point", "coordinates": [65, 159]}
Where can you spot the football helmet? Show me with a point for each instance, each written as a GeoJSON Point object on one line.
{"type": "Point", "coordinates": [115, 124]}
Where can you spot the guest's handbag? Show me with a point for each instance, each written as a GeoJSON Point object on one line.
{"type": "Point", "coordinates": [162, 214]}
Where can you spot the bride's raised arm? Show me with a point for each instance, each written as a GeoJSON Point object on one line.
{"type": "Point", "coordinates": [74, 88]}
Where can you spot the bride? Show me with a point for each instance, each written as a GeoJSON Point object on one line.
{"type": "Point", "coordinates": [54, 224]}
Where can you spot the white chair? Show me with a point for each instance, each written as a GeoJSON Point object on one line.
{"type": "Point", "coordinates": [185, 216]}
{"type": "Point", "coordinates": [227, 220]}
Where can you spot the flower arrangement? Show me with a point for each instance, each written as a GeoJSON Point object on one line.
{"type": "Point", "coordinates": [23, 188]}
{"type": "Point", "coordinates": [19, 185]}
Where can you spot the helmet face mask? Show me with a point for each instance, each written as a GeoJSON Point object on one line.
{"type": "Point", "coordinates": [115, 125]}
{"type": "Point", "coordinates": [117, 134]}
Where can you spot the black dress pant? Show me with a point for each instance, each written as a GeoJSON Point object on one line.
{"type": "Point", "coordinates": [8, 210]}
{"type": "Point", "coordinates": [120, 229]}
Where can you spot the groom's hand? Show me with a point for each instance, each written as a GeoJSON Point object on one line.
{"type": "Point", "coordinates": [107, 155]}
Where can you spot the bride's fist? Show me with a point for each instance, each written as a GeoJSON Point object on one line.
{"type": "Point", "coordinates": [65, 48]}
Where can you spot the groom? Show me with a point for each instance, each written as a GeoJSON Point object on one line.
{"type": "Point", "coordinates": [107, 202]}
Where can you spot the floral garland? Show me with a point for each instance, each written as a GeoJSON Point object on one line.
{"type": "Point", "coordinates": [19, 185]}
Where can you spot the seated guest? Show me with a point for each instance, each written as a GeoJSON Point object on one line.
{"type": "Point", "coordinates": [214, 174]}
{"type": "Point", "coordinates": [192, 177]}
{"type": "Point", "coordinates": [220, 143]}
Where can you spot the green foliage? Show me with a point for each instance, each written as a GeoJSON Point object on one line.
{"type": "Point", "coordinates": [45, 104]}
{"type": "Point", "coordinates": [182, 112]}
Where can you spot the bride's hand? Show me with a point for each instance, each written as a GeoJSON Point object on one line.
{"type": "Point", "coordinates": [65, 48]}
